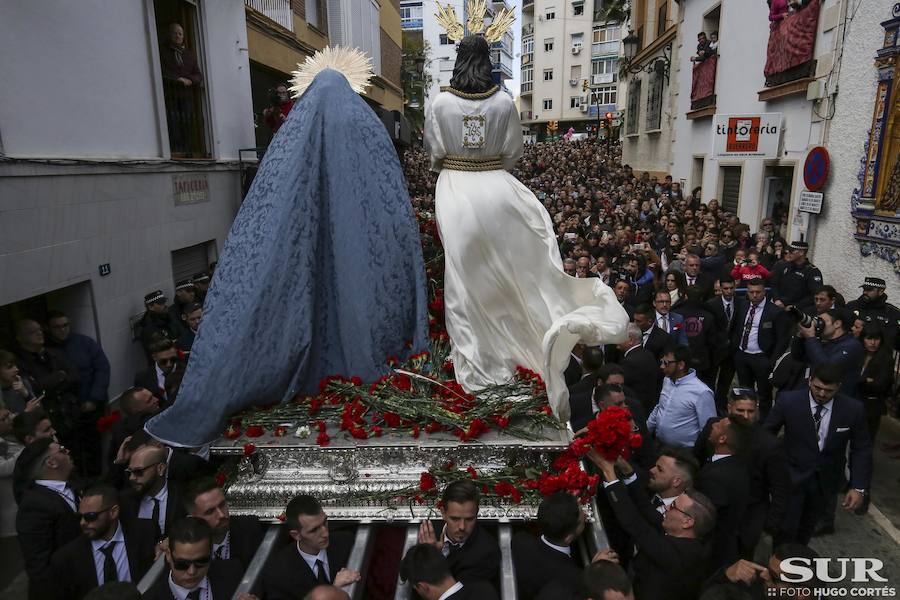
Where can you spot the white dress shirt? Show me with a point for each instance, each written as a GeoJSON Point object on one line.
{"type": "Point", "coordinates": [826, 419]}
{"type": "Point", "coordinates": [119, 554]}
{"type": "Point", "coordinates": [753, 340]}
{"type": "Point", "coordinates": [451, 590]}
{"type": "Point", "coordinates": [716, 457]}
{"type": "Point", "coordinates": [311, 561]}
{"type": "Point", "coordinates": [180, 593]}
{"type": "Point", "coordinates": [61, 488]}
{"type": "Point", "coordinates": [146, 509]}
{"type": "Point", "coordinates": [225, 546]}
{"type": "Point", "coordinates": [160, 380]}
{"type": "Point", "coordinates": [567, 550]}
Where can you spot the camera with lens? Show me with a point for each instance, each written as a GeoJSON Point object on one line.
{"type": "Point", "coordinates": [806, 320]}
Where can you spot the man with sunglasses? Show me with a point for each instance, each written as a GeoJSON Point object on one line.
{"type": "Point", "coordinates": [165, 360]}
{"type": "Point", "coordinates": [152, 495]}
{"type": "Point", "coordinates": [106, 551]}
{"type": "Point", "coordinates": [193, 574]}
{"type": "Point", "coordinates": [156, 324]}
{"type": "Point", "coordinates": [47, 518]}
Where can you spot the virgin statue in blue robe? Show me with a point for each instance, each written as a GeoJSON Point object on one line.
{"type": "Point", "coordinates": [321, 273]}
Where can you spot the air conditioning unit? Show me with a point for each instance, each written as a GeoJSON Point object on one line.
{"type": "Point", "coordinates": [573, 82]}
{"type": "Point", "coordinates": [576, 49]}
{"type": "Point", "coordinates": [584, 108]}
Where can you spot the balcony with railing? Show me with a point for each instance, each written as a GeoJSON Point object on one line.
{"type": "Point", "coordinates": [274, 10]}
{"type": "Point", "coordinates": [526, 88]}
{"type": "Point", "coordinates": [703, 87]}
{"type": "Point", "coordinates": [603, 48]}
{"type": "Point", "coordinates": [526, 115]}
{"type": "Point", "coordinates": [791, 48]}
{"type": "Point", "coordinates": [527, 5]}
{"type": "Point", "coordinates": [527, 29]}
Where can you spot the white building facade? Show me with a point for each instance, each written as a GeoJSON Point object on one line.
{"type": "Point", "coordinates": [569, 66]}
{"type": "Point", "coordinates": [752, 184]}
{"type": "Point", "coordinates": [107, 192]}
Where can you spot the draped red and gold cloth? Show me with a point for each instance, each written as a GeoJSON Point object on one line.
{"type": "Point", "coordinates": [703, 83]}
{"type": "Point", "coordinates": [792, 40]}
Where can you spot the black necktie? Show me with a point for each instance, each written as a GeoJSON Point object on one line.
{"type": "Point", "coordinates": [195, 595]}
{"type": "Point", "coordinates": [109, 563]}
{"type": "Point", "coordinates": [219, 551]}
{"type": "Point", "coordinates": [322, 575]}
{"type": "Point", "coordinates": [728, 312]}
{"type": "Point", "coordinates": [657, 502]}
{"type": "Point", "coordinates": [817, 419]}
{"type": "Point", "coordinates": [748, 327]}
{"type": "Point", "coordinates": [155, 517]}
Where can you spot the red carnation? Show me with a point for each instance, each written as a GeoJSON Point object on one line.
{"type": "Point", "coordinates": [249, 449]}
{"type": "Point", "coordinates": [355, 380]}
{"type": "Point", "coordinates": [359, 433]}
{"type": "Point", "coordinates": [254, 431]}
{"type": "Point", "coordinates": [233, 432]}
{"type": "Point", "coordinates": [376, 430]}
{"type": "Point", "coordinates": [427, 481]}
{"type": "Point", "coordinates": [321, 426]}
{"type": "Point", "coordinates": [391, 419]}
{"type": "Point", "coordinates": [220, 479]}
{"type": "Point", "coordinates": [105, 423]}
{"type": "Point", "coordinates": [502, 422]}
{"type": "Point", "coordinates": [415, 431]}
{"type": "Point", "coordinates": [323, 439]}
{"type": "Point", "coordinates": [280, 431]}
{"type": "Point", "coordinates": [472, 472]}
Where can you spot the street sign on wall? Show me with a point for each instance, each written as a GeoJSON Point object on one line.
{"type": "Point", "coordinates": [811, 202]}
{"type": "Point", "coordinates": [815, 169]}
{"type": "Point", "coordinates": [746, 136]}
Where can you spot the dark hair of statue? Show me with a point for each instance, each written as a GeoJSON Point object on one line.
{"type": "Point", "coordinates": [472, 71]}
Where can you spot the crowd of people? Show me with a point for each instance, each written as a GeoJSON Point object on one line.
{"type": "Point", "coordinates": [748, 376]}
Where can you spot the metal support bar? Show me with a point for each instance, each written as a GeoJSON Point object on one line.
{"type": "Point", "coordinates": [412, 537]}
{"type": "Point", "coordinates": [359, 558]}
{"type": "Point", "coordinates": [598, 532]}
{"type": "Point", "coordinates": [155, 571]}
{"type": "Point", "coordinates": [254, 570]}
{"type": "Point", "coordinates": [507, 569]}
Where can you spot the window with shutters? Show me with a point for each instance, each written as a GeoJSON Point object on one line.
{"type": "Point", "coordinates": [189, 261]}
{"type": "Point", "coordinates": [731, 189]}
{"type": "Point", "coordinates": [634, 106]}
{"type": "Point", "coordinates": [654, 101]}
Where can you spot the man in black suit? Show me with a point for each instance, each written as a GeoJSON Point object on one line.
{"type": "Point", "coordinates": [472, 552]}
{"type": "Point", "coordinates": [726, 482]}
{"type": "Point", "coordinates": [192, 573]}
{"type": "Point", "coordinates": [746, 579]}
{"type": "Point", "coordinates": [622, 290]}
{"type": "Point", "coordinates": [770, 479]}
{"type": "Point", "coordinates": [152, 495]}
{"type": "Point", "coordinates": [723, 309]}
{"type": "Point", "coordinates": [641, 369]}
{"type": "Point", "coordinates": [312, 557]}
{"type": "Point", "coordinates": [760, 336]}
{"type": "Point", "coordinates": [668, 561]}
{"type": "Point", "coordinates": [697, 279]}
{"type": "Point", "coordinates": [165, 360]}
{"type": "Point", "coordinates": [106, 550]}
{"type": "Point", "coordinates": [28, 427]}
{"type": "Point", "coordinates": [819, 425]}
{"type": "Point", "coordinates": [653, 338]}
{"type": "Point", "coordinates": [700, 328]}
{"type": "Point", "coordinates": [539, 561]}
{"type": "Point", "coordinates": [47, 519]}
{"type": "Point", "coordinates": [428, 573]}
{"type": "Point", "coordinates": [236, 537]}
{"type": "Point", "coordinates": [591, 362]}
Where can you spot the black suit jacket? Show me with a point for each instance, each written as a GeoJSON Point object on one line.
{"type": "Point", "coordinates": [724, 329]}
{"type": "Point", "coordinates": [774, 329]}
{"type": "Point", "coordinates": [537, 564]}
{"type": "Point", "coordinates": [224, 579]}
{"type": "Point", "coordinates": [704, 283]}
{"type": "Point", "coordinates": [727, 484]}
{"type": "Point", "coordinates": [475, 590]}
{"type": "Point", "coordinates": [246, 536]}
{"type": "Point", "coordinates": [147, 380]}
{"type": "Point", "coordinates": [847, 426]}
{"type": "Point", "coordinates": [45, 523]}
{"type": "Point", "coordinates": [581, 404]}
{"type": "Point", "coordinates": [642, 374]}
{"type": "Point", "coordinates": [657, 343]}
{"type": "Point", "coordinates": [288, 577]}
{"type": "Point", "coordinates": [477, 560]}
{"type": "Point", "coordinates": [73, 565]}
{"type": "Point", "coordinates": [665, 567]}
{"type": "Point", "coordinates": [130, 503]}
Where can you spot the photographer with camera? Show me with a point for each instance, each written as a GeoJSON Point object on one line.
{"type": "Point", "coordinates": [827, 339]}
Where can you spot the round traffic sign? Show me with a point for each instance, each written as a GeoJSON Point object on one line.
{"type": "Point", "coordinates": [815, 169]}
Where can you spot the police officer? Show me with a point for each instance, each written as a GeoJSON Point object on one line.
{"type": "Point", "coordinates": [156, 322]}
{"type": "Point", "coordinates": [872, 306]}
{"type": "Point", "coordinates": [185, 294]}
{"type": "Point", "coordinates": [795, 280]}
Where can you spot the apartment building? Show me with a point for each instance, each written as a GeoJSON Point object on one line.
{"type": "Point", "coordinates": [569, 67]}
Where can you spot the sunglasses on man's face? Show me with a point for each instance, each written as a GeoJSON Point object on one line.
{"type": "Point", "coordinates": [90, 517]}
{"type": "Point", "coordinates": [183, 564]}
{"type": "Point", "coordinates": [138, 471]}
